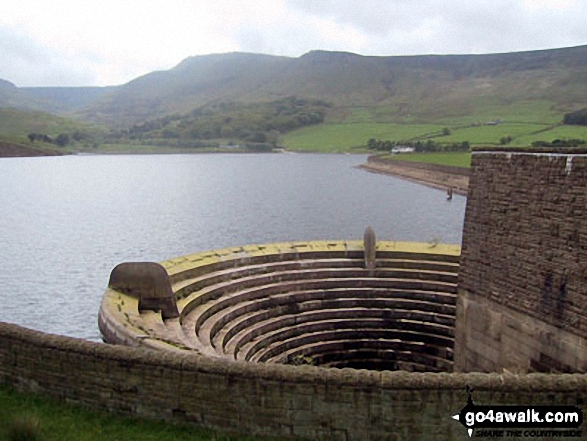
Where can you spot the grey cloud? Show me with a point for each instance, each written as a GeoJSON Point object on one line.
{"type": "Point", "coordinates": [26, 63]}
{"type": "Point", "coordinates": [457, 26]}
{"type": "Point", "coordinates": [291, 39]}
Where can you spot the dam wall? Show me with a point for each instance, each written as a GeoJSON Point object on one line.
{"type": "Point", "coordinates": [263, 399]}
{"type": "Point", "coordinates": [513, 329]}
{"type": "Point", "coordinates": [522, 304]}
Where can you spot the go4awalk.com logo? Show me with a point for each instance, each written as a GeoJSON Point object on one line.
{"type": "Point", "coordinates": [520, 421]}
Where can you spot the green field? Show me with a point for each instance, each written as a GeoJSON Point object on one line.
{"type": "Point", "coordinates": [454, 159]}
{"type": "Point", "coordinates": [349, 128]}
{"type": "Point", "coordinates": [53, 421]}
{"type": "Point", "coordinates": [558, 132]}
{"type": "Point", "coordinates": [352, 137]}
{"type": "Point", "coordinates": [18, 124]}
{"type": "Point", "coordinates": [522, 112]}
{"type": "Point", "coordinates": [489, 134]}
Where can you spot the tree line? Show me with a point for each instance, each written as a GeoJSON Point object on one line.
{"type": "Point", "coordinates": [560, 143]}
{"type": "Point", "coordinates": [62, 139]}
{"type": "Point", "coordinates": [253, 123]}
{"type": "Point", "coordinates": [578, 117]}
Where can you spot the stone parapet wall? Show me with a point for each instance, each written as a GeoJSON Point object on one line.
{"type": "Point", "coordinates": [264, 400]}
{"type": "Point", "coordinates": [523, 275]}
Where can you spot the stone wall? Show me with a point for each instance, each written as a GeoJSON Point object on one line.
{"type": "Point", "coordinates": [523, 276]}
{"type": "Point", "coordinates": [260, 399]}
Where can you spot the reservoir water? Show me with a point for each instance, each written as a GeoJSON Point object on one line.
{"type": "Point", "coordinates": [65, 222]}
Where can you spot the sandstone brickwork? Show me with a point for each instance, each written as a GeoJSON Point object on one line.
{"type": "Point", "coordinates": [523, 276]}
{"type": "Point", "coordinates": [264, 399]}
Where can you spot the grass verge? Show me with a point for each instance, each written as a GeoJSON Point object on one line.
{"type": "Point", "coordinates": [30, 417]}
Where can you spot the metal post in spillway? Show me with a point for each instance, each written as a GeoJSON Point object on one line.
{"type": "Point", "coordinates": [369, 247]}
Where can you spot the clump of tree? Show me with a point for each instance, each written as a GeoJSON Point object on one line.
{"type": "Point", "coordinates": [576, 118]}
{"type": "Point", "coordinates": [251, 123]}
{"type": "Point", "coordinates": [506, 140]}
{"type": "Point", "coordinates": [63, 139]}
{"type": "Point", "coordinates": [39, 137]}
{"type": "Point", "coordinates": [560, 143]}
{"type": "Point", "coordinates": [418, 146]}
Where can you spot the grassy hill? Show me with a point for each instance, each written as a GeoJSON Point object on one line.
{"type": "Point", "coordinates": [389, 89]}
{"type": "Point", "coordinates": [392, 98]}
{"type": "Point", "coordinates": [64, 100]}
{"type": "Point", "coordinates": [12, 149]}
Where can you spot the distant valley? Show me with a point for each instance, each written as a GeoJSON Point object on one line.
{"type": "Point", "coordinates": [222, 99]}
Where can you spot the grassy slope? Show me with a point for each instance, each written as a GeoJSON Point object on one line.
{"type": "Point", "coordinates": [395, 98]}
{"type": "Point", "coordinates": [525, 122]}
{"type": "Point", "coordinates": [17, 124]}
{"type": "Point", "coordinates": [402, 89]}
{"type": "Point", "coordinates": [12, 149]}
{"type": "Point", "coordinates": [351, 137]}
{"type": "Point", "coordinates": [59, 422]}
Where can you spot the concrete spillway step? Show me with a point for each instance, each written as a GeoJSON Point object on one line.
{"type": "Point", "coordinates": [239, 311]}
{"type": "Point", "coordinates": [384, 269]}
{"type": "Point", "coordinates": [360, 328]}
{"type": "Point", "coordinates": [235, 304]}
{"type": "Point", "coordinates": [218, 297]}
{"type": "Point", "coordinates": [384, 259]}
{"type": "Point", "coordinates": [378, 360]}
{"type": "Point", "coordinates": [183, 286]}
{"type": "Point", "coordinates": [270, 302]}
{"type": "Point", "coordinates": [358, 276]}
{"type": "Point", "coordinates": [396, 304]}
{"type": "Point", "coordinates": [413, 356]}
{"type": "Point", "coordinates": [235, 326]}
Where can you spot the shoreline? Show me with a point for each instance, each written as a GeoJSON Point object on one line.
{"type": "Point", "coordinates": [435, 176]}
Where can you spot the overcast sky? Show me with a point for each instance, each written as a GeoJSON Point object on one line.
{"type": "Point", "coordinates": [107, 42]}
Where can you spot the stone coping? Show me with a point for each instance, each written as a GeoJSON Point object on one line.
{"type": "Point", "coordinates": [190, 261]}
{"type": "Point", "coordinates": [532, 150]}
{"type": "Point", "coordinates": [299, 374]}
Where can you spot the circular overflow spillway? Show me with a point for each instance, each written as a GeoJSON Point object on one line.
{"type": "Point", "coordinates": [303, 303]}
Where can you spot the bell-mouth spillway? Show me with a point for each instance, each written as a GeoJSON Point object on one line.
{"type": "Point", "coordinates": [303, 303]}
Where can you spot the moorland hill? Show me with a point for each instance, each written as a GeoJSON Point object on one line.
{"type": "Point", "coordinates": [244, 89]}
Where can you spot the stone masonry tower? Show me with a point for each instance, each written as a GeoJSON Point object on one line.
{"type": "Point", "coordinates": [522, 303]}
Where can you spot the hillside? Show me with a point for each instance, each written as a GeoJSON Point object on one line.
{"type": "Point", "coordinates": [395, 89]}
{"type": "Point", "coordinates": [55, 100]}
{"type": "Point", "coordinates": [14, 97]}
{"type": "Point", "coordinates": [516, 98]}
{"type": "Point", "coordinates": [9, 149]}
{"type": "Point", "coordinates": [64, 100]}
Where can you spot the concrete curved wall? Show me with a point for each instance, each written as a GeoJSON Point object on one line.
{"type": "Point", "coordinates": [305, 302]}
{"type": "Point", "coordinates": [264, 399]}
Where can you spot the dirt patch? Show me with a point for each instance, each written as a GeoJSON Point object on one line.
{"type": "Point", "coordinates": [15, 150]}
{"type": "Point", "coordinates": [432, 175]}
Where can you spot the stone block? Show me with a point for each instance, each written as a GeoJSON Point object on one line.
{"type": "Point", "coordinates": [149, 282]}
